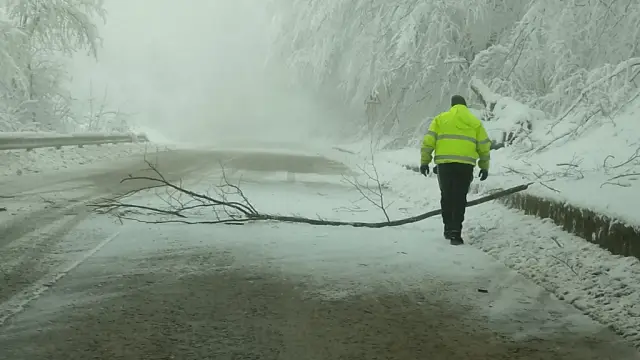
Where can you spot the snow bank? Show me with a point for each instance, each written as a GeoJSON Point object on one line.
{"type": "Point", "coordinates": [512, 121]}
{"type": "Point", "coordinates": [594, 166]}
{"type": "Point", "coordinates": [602, 285]}
{"type": "Point", "coordinates": [18, 162]}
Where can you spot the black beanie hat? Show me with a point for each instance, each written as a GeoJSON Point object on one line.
{"type": "Point", "coordinates": [458, 100]}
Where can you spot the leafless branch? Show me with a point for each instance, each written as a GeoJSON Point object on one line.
{"type": "Point", "coordinates": [625, 66]}
{"type": "Point", "coordinates": [549, 187]}
{"type": "Point", "coordinates": [566, 263]}
{"type": "Point", "coordinates": [375, 197]}
{"type": "Point", "coordinates": [569, 169]}
{"type": "Point", "coordinates": [570, 132]}
{"type": "Point", "coordinates": [626, 169]}
{"type": "Point", "coordinates": [631, 158]}
{"type": "Point", "coordinates": [618, 183]}
{"type": "Point", "coordinates": [236, 212]}
{"type": "Point", "coordinates": [555, 239]}
{"type": "Point", "coordinates": [511, 169]}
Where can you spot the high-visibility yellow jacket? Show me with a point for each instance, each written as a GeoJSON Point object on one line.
{"type": "Point", "coordinates": [456, 136]}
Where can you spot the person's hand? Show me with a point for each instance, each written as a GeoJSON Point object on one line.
{"type": "Point", "coordinates": [483, 174]}
{"type": "Point", "coordinates": [435, 169]}
{"type": "Point", "coordinates": [424, 169]}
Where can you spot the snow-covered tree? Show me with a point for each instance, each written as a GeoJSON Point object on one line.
{"type": "Point", "coordinates": [35, 96]}
{"type": "Point", "coordinates": [97, 116]}
{"type": "Point", "coordinates": [411, 55]}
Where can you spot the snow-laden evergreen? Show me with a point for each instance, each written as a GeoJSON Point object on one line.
{"type": "Point", "coordinates": [574, 59]}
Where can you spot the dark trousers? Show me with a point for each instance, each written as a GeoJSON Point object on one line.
{"type": "Point", "coordinates": [454, 180]}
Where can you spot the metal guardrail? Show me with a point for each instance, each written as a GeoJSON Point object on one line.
{"type": "Point", "coordinates": [34, 142]}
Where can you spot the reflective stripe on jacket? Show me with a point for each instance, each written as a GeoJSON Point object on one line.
{"type": "Point", "coordinates": [456, 136]}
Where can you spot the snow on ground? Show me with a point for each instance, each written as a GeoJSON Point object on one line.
{"type": "Point", "coordinates": [594, 166]}
{"type": "Point", "coordinates": [19, 162]}
{"type": "Point", "coordinates": [604, 286]}
{"type": "Point", "coordinates": [100, 260]}
{"type": "Point", "coordinates": [340, 261]}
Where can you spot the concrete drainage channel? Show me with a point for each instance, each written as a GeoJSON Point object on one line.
{"type": "Point", "coordinates": [610, 234]}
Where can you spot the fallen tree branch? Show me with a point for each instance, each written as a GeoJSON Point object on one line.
{"type": "Point", "coordinates": [568, 133]}
{"type": "Point", "coordinates": [633, 175]}
{"type": "Point", "coordinates": [242, 211]}
{"type": "Point", "coordinates": [633, 157]}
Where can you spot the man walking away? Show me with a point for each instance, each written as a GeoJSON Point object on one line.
{"type": "Point", "coordinates": [459, 140]}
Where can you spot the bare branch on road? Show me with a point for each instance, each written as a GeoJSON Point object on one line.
{"type": "Point", "coordinates": [374, 196]}
{"type": "Point", "coordinates": [234, 212]}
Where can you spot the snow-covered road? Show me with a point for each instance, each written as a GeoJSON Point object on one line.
{"type": "Point", "coordinates": [96, 289]}
{"type": "Point", "coordinates": [42, 210]}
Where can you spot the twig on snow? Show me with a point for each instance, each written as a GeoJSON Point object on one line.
{"type": "Point", "coordinates": [548, 187]}
{"type": "Point", "coordinates": [555, 239]}
{"type": "Point", "coordinates": [632, 157]}
{"type": "Point", "coordinates": [566, 263]}
{"type": "Point", "coordinates": [618, 183]}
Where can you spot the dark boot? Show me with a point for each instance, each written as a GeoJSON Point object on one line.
{"type": "Point", "coordinates": [456, 238]}
{"type": "Point", "coordinates": [447, 234]}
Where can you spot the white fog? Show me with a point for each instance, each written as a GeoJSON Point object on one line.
{"type": "Point", "coordinates": [197, 71]}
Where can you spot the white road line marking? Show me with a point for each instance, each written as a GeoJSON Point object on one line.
{"type": "Point", "coordinates": [19, 302]}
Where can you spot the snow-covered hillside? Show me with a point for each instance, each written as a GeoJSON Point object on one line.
{"type": "Point", "coordinates": [565, 58]}
{"type": "Point", "coordinates": [597, 168]}
{"type": "Point", "coordinates": [557, 82]}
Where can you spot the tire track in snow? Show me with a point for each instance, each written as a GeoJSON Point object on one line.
{"type": "Point", "coordinates": [17, 229]}
{"type": "Point", "coordinates": [174, 165]}
{"type": "Point", "coordinates": [20, 301]}
{"type": "Point", "coordinates": [28, 241]}
{"type": "Point", "coordinates": [24, 261]}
